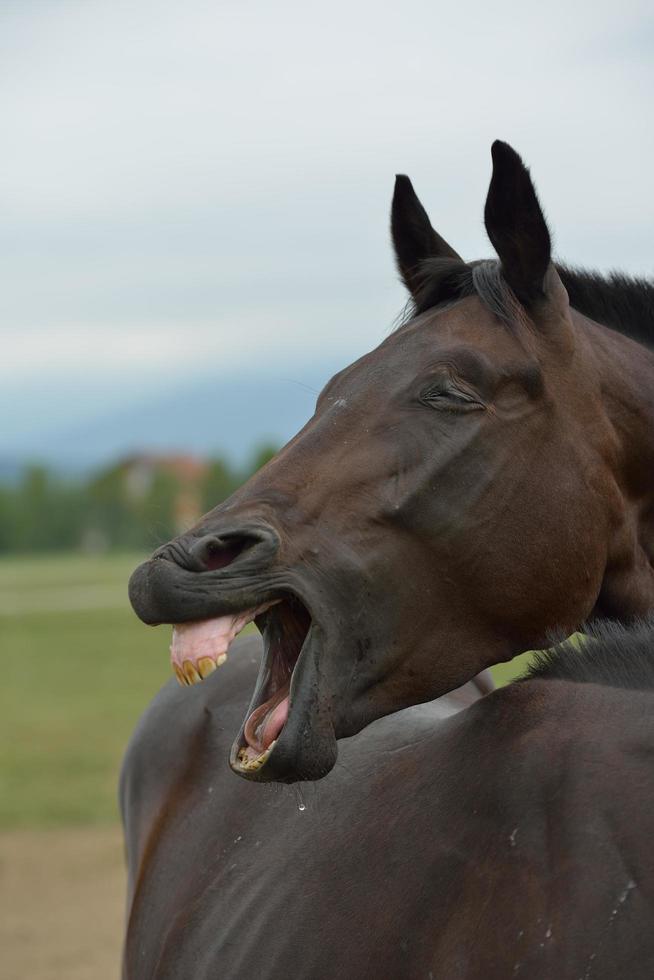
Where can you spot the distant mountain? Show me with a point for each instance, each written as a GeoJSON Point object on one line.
{"type": "Point", "coordinates": [228, 417]}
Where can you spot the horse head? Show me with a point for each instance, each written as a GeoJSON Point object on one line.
{"type": "Point", "coordinates": [456, 497]}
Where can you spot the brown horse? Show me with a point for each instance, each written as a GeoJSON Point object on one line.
{"type": "Point", "coordinates": [483, 477]}
{"type": "Point", "coordinates": [511, 839]}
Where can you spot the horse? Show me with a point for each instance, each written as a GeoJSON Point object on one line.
{"type": "Point", "coordinates": [469, 838]}
{"type": "Point", "coordinates": [481, 478]}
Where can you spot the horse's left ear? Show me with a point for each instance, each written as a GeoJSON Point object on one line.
{"type": "Point", "coordinates": [414, 239]}
{"type": "Point", "coordinates": [517, 229]}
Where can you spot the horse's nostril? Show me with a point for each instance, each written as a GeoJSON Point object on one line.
{"type": "Point", "coordinates": [218, 554]}
{"type": "Point", "coordinates": [221, 549]}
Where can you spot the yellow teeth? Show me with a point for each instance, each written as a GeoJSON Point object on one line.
{"type": "Point", "coordinates": [252, 765]}
{"type": "Point", "coordinates": [206, 666]}
{"type": "Point", "coordinates": [191, 673]}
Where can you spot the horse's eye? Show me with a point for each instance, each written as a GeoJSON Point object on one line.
{"type": "Point", "coordinates": [446, 395]}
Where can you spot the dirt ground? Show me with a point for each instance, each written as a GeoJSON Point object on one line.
{"type": "Point", "coordinates": [61, 904]}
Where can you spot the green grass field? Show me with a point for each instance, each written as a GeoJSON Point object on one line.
{"type": "Point", "coordinates": [75, 677]}
{"type": "Point", "coordinates": [78, 669]}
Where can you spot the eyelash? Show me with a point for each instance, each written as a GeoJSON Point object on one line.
{"type": "Point", "coordinates": [444, 392]}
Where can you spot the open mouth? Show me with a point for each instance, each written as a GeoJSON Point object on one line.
{"type": "Point", "coordinates": [197, 649]}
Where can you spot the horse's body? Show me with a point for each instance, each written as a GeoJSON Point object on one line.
{"type": "Point", "coordinates": [483, 478]}
{"type": "Point", "coordinates": [511, 838]}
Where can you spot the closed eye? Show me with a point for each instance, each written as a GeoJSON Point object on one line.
{"type": "Point", "coordinates": [448, 396]}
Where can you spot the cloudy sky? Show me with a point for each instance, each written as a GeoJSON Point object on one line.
{"type": "Point", "coordinates": [202, 188]}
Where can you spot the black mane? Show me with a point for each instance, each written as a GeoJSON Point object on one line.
{"type": "Point", "coordinates": [610, 654]}
{"type": "Point", "coordinates": [624, 303]}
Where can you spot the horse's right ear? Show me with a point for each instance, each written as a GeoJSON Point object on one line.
{"type": "Point", "coordinates": [516, 225]}
{"type": "Point", "coordinates": [414, 239]}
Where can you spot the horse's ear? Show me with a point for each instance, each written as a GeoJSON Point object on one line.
{"type": "Point", "coordinates": [414, 239]}
{"type": "Point", "coordinates": [516, 226]}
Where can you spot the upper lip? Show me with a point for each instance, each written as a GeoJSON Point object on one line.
{"type": "Point", "coordinates": [163, 592]}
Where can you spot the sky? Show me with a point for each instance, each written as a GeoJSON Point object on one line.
{"type": "Point", "coordinates": [201, 190]}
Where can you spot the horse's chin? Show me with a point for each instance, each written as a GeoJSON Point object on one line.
{"type": "Point", "coordinates": [286, 735]}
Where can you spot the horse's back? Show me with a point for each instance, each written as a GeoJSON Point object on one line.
{"type": "Point", "coordinates": [427, 850]}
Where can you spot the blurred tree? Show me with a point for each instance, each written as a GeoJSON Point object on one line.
{"type": "Point", "coordinates": [132, 508]}
{"type": "Point", "coordinates": [110, 516]}
{"type": "Point", "coordinates": [156, 513]}
{"type": "Point", "coordinates": [45, 513]}
{"type": "Point", "coordinates": [135, 504]}
{"type": "Point", "coordinates": [262, 454]}
{"type": "Point", "coordinates": [219, 483]}
{"type": "Point", "coordinates": [7, 504]}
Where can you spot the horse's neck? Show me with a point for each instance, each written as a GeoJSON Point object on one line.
{"type": "Point", "coordinates": [626, 375]}
{"type": "Point", "coordinates": [626, 372]}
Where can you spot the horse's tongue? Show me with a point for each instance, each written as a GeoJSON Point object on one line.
{"type": "Point", "coordinates": [266, 722]}
{"type": "Point", "coordinates": [273, 723]}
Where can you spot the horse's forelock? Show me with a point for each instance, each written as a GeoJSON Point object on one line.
{"type": "Point", "coordinates": [446, 282]}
